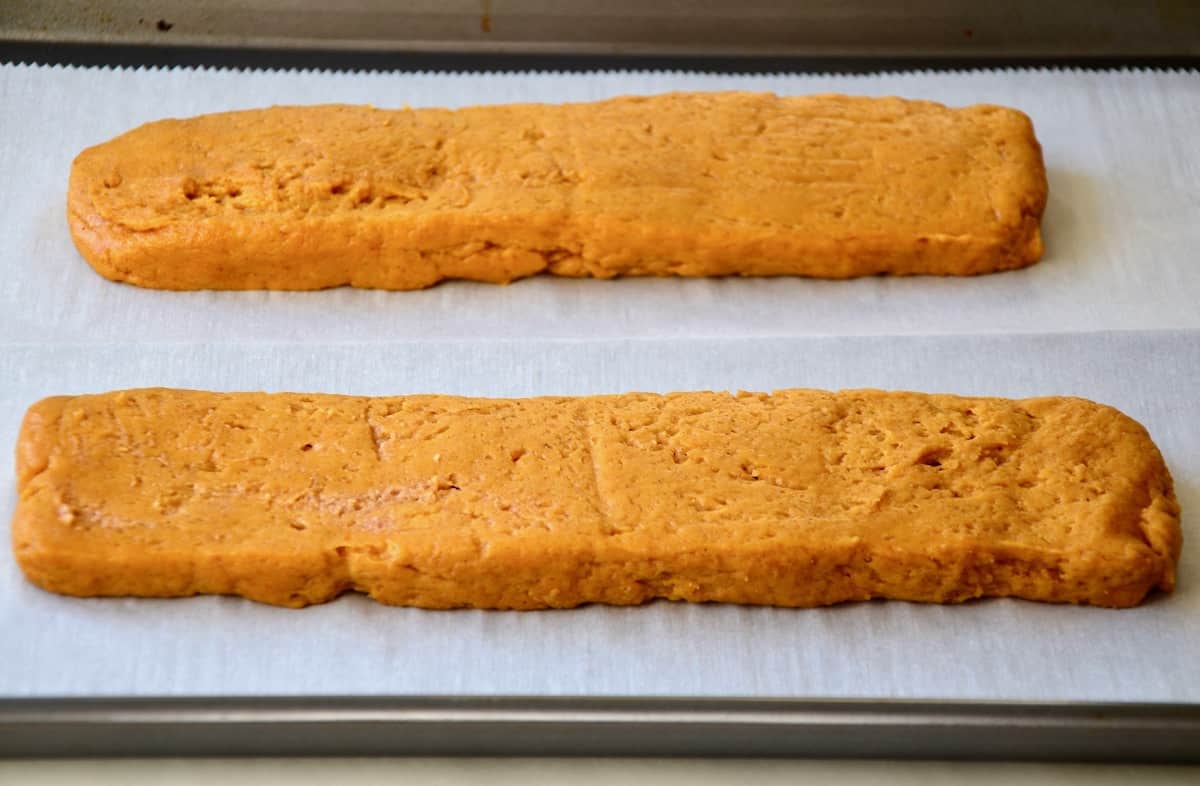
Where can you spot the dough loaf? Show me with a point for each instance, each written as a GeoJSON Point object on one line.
{"type": "Point", "coordinates": [798, 498]}
{"type": "Point", "coordinates": [683, 184]}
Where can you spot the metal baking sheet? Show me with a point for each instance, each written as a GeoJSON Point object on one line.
{"type": "Point", "coordinates": [514, 726]}
{"type": "Point", "coordinates": [855, 28]}
{"type": "Point", "coordinates": [1108, 315]}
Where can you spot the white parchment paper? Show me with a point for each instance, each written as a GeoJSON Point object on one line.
{"type": "Point", "coordinates": [1121, 227]}
{"type": "Point", "coordinates": [1110, 315]}
{"type": "Point", "coordinates": [994, 649]}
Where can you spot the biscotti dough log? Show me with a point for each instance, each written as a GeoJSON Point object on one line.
{"type": "Point", "coordinates": [679, 184]}
{"type": "Point", "coordinates": [799, 498]}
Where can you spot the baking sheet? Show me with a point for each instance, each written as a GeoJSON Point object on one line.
{"type": "Point", "coordinates": [984, 650]}
{"type": "Point", "coordinates": [1121, 239]}
{"type": "Point", "coordinates": [1121, 229]}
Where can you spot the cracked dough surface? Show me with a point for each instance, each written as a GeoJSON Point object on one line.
{"type": "Point", "coordinates": [687, 184]}
{"type": "Point", "coordinates": [797, 498]}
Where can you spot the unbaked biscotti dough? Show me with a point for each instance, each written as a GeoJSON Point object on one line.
{"type": "Point", "coordinates": [686, 184]}
{"type": "Point", "coordinates": [799, 498]}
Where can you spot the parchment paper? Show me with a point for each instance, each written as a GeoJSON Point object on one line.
{"type": "Point", "coordinates": [993, 649]}
{"type": "Point", "coordinates": [1121, 227]}
{"type": "Point", "coordinates": [1122, 238]}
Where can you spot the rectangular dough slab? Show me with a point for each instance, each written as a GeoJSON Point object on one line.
{"type": "Point", "coordinates": [686, 184]}
{"type": "Point", "coordinates": [798, 498]}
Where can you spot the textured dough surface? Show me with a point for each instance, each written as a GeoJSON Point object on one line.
{"type": "Point", "coordinates": [798, 498]}
{"type": "Point", "coordinates": [686, 184]}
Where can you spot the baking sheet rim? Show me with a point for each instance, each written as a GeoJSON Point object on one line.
{"type": "Point", "coordinates": [543, 726]}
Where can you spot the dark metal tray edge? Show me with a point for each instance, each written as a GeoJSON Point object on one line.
{"type": "Point", "coordinates": [244, 58]}
{"type": "Point", "coordinates": [577, 726]}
